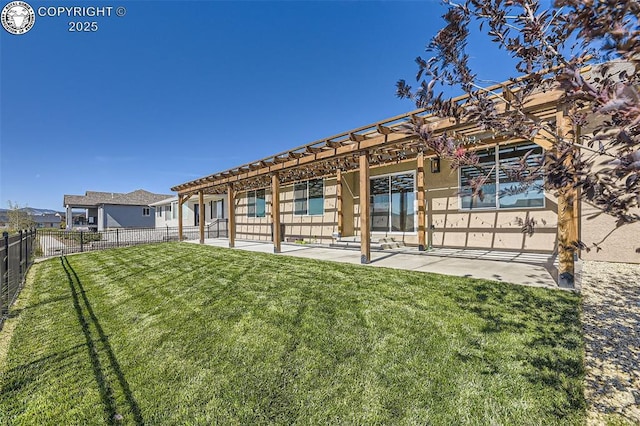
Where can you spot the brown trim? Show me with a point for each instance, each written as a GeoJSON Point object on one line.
{"type": "Point", "coordinates": [365, 227]}
{"type": "Point", "coordinates": [275, 212]}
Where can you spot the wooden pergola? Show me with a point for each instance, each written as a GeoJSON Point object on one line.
{"type": "Point", "coordinates": [380, 143]}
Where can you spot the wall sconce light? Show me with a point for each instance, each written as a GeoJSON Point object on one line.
{"type": "Point", "coordinates": [435, 165]}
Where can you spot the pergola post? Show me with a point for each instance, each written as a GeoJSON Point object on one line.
{"type": "Point", "coordinates": [201, 214]}
{"type": "Point", "coordinates": [339, 202]}
{"type": "Point", "coordinates": [422, 244]}
{"type": "Point", "coordinates": [69, 217]}
{"type": "Point", "coordinates": [365, 220]}
{"type": "Point", "coordinates": [180, 202]}
{"type": "Point", "coordinates": [231, 215]}
{"type": "Point", "coordinates": [567, 217]}
{"type": "Point", "coordinates": [275, 212]}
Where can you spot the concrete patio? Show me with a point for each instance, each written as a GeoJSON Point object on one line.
{"type": "Point", "coordinates": [536, 270]}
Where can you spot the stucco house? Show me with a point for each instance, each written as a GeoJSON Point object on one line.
{"type": "Point", "coordinates": [378, 181]}
{"type": "Point", "coordinates": [106, 210]}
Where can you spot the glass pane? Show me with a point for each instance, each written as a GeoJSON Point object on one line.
{"type": "Point", "coordinates": [486, 198]}
{"type": "Point", "coordinates": [402, 196]}
{"type": "Point", "coordinates": [380, 204]}
{"type": "Point", "coordinates": [513, 193]}
{"type": "Point", "coordinates": [316, 197]}
{"type": "Point", "coordinates": [251, 204]}
{"type": "Point", "coordinates": [300, 198]}
{"type": "Point", "coordinates": [260, 203]}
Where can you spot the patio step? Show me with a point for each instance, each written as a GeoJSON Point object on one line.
{"type": "Point", "coordinates": [353, 243]}
{"type": "Point", "coordinates": [389, 243]}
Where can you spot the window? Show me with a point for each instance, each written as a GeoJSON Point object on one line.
{"type": "Point", "coordinates": [217, 209]}
{"type": "Point", "coordinates": [392, 203]}
{"type": "Point", "coordinates": [167, 212]}
{"type": "Point", "coordinates": [256, 204]}
{"type": "Point", "coordinates": [174, 210]}
{"type": "Point", "coordinates": [146, 211]}
{"type": "Point", "coordinates": [308, 198]}
{"type": "Point", "coordinates": [159, 211]}
{"type": "Point", "coordinates": [499, 190]}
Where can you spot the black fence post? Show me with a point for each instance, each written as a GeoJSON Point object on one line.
{"type": "Point", "coordinates": [4, 281]}
{"type": "Point", "coordinates": [27, 250]}
{"type": "Point", "coordinates": [218, 228]}
{"type": "Point", "coordinates": [81, 241]}
{"type": "Point", "coordinates": [20, 254]}
{"type": "Point", "coordinates": [117, 237]}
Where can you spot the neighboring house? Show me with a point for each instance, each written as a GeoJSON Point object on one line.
{"type": "Point", "coordinates": [166, 211]}
{"type": "Point", "coordinates": [47, 220]}
{"type": "Point", "coordinates": [379, 181]}
{"type": "Point", "coordinates": [106, 210]}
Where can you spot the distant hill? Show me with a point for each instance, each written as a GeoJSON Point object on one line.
{"type": "Point", "coordinates": [33, 211]}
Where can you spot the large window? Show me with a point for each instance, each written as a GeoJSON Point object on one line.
{"type": "Point", "coordinates": [392, 203]}
{"type": "Point", "coordinates": [308, 198]}
{"type": "Point", "coordinates": [174, 210]}
{"type": "Point", "coordinates": [500, 189]}
{"type": "Point", "coordinates": [256, 204]}
{"type": "Point", "coordinates": [216, 209]}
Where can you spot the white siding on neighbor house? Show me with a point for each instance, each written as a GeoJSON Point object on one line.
{"type": "Point", "coordinates": [170, 218]}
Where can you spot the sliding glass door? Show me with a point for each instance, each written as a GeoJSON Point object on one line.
{"type": "Point", "coordinates": [392, 203]}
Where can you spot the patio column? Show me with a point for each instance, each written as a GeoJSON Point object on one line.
{"type": "Point", "coordinates": [421, 203]}
{"type": "Point", "coordinates": [339, 201]}
{"type": "Point", "coordinates": [231, 216]}
{"type": "Point", "coordinates": [365, 220]}
{"type": "Point", "coordinates": [69, 217]}
{"type": "Point", "coordinates": [180, 202]}
{"type": "Point", "coordinates": [567, 216]}
{"type": "Point", "coordinates": [275, 212]}
{"type": "Point", "coordinates": [201, 214]}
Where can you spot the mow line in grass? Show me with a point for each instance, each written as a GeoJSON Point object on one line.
{"type": "Point", "coordinates": [194, 334]}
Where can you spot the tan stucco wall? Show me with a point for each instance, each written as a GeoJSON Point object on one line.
{"type": "Point", "coordinates": [617, 244]}
{"type": "Point", "coordinates": [484, 229]}
{"type": "Point", "coordinates": [447, 226]}
{"type": "Point", "coordinates": [317, 228]}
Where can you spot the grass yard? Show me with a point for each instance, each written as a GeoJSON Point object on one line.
{"type": "Point", "coordinates": [184, 334]}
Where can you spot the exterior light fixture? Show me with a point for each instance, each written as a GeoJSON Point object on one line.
{"type": "Point", "coordinates": [435, 165]}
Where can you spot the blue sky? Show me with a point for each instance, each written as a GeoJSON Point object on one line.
{"type": "Point", "coordinates": [173, 91]}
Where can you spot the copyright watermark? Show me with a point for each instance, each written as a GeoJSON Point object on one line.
{"type": "Point", "coordinates": [18, 17]}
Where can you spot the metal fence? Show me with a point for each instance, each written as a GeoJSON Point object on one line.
{"type": "Point", "coordinates": [15, 258]}
{"type": "Point", "coordinates": [53, 242]}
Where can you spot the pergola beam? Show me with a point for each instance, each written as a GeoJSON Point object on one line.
{"type": "Point", "coordinates": [365, 227]}
{"type": "Point", "coordinates": [421, 203]}
{"type": "Point", "coordinates": [201, 215]}
{"type": "Point", "coordinates": [231, 215]}
{"type": "Point", "coordinates": [275, 212]}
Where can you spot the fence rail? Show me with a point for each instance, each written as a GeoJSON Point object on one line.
{"type": "Point", "coordinates": [54, 242]}
{"type": "Point", "coordinates": [15, 258]}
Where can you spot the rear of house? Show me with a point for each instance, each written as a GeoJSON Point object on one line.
{"type": "Point", "coordinates": [109, 210]}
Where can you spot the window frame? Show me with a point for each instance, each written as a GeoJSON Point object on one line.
{"type": "Point", "coordinates": [146, 211]}
{"type": "Point", "coordinates": [307, 197]}
{"type": "Point", "coordinates": [252, 207]}
{"type": "Point", "coordinates": [415, 197]}
{"type": "Point", "coordinates": [497, 207]}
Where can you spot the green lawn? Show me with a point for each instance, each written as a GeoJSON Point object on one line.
{"type": "Point", "coordinates": [184, 334]}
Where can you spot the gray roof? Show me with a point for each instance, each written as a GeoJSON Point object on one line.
{"type": "Point", "coordinates": [138, 197]}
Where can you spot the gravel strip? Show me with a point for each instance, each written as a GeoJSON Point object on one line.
{"type": "Point", "coordinates": [611, 325]}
